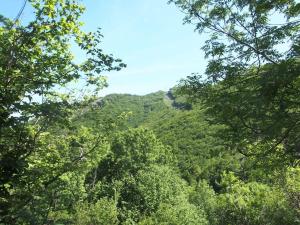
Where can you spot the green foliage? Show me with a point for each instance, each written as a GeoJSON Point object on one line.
{"type": "Point", "coordinates": [138, 108]}
{"type": "Point", "coordinates": [55, 176]}
{"type": "Point", "coordinates": [260, 111]}
{"type": "Point", "coordinates": [201, 154]}
{"type": "Point", "coordinates": [127, 168]}
{"type": "Point", "coordinates": [160, 184]}
{"type": "Point", "coordinates": [36, 61]}
{"type": "Point", "coordinates": [243, 33]}
{"type": "Point", "coordinates": [253, 203]}
{"type": "Point", "coordinates": [204, 197]}
{"type": "Point", "coordinates": [140, 175]}
{"type": "Point", "coordinates": [291, 188]}
{"type": "Point", "coordinates": [131, 151]}
{"type": "Point", "coordinates": [182, 213]}
{"type": "Point", "coordinates": [104, 212]}
{"type": "Point", "coordinates": [252, 81]}
{"type": "Point", "coordinates": [229, 156]}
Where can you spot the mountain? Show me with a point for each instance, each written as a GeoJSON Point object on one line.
{"type": "Point", "coordinates": [140, 108]}
{"type": "Point", "coordinates": [177, 123]}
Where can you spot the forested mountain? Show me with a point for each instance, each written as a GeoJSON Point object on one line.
{"type": "Point", "coordinates": [218, 149]}
{"type": "Point", "coordinates": [200, 156]}
{"type": "Point", "coordinates": [176, 123]}
{"type": "Point", "coordinates": [141, 108]}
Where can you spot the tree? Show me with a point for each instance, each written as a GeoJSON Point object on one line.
{"type": "Point", "coordinates": [252, 75]}
{"type": "Point", "coordinates": [104, 211]}
{"type": "Point", "coordinates": [36, 61]}
{"type": "Point", "coordinates": [116, 175]}
{"type": "Point", "coordinates": [183, 213]}
{"type": "Point", "coordinates": [139, 174]}
{"type": "Point", "coordinates": [253, 203]}
{"type": "Point", "coordinates": [131, 151]}
{"type": "Point", "coordinates": [244, 32]}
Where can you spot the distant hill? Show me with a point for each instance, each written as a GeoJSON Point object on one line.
{"type": "Point", "coordinates": [175, 122]}
{"type": "Point", "coordinates": [140, 108]}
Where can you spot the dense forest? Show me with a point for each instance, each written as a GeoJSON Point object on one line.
{"type": "Point", "coordinates": [220, 148]}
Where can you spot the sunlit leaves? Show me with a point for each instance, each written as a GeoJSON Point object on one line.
{"type": "Point", "coordinates": [36, 62]}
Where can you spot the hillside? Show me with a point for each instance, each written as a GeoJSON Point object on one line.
{"type": "Point", "coordinates": [199, 154]}
{"type": "Point", "coordinates": [139, 108]}
{"type": "Point", "coordinates": [220, 148]}
{"type": "Point", "coordinates": [161, 145]}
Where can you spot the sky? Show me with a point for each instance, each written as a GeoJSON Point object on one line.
{"type": "Point", "coordinates": [148, 35]}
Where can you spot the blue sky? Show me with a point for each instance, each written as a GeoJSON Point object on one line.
{"type": "Point", "coordinates": [148, 35]}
